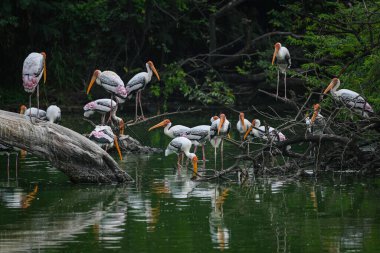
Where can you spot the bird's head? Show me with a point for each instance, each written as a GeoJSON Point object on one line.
{"type": "Point", "coordinates": [277, 47]}
{"type": "Point", "coordinates": [332, 84]}
{"type": "Point", "coordinates": [315, 113]}
{"type": "Point", "coordinates": [249, 129]}
{"type": "Point", "coordinates": [22, 109]}
{"type": "Point", "coordinates": [151, 66]}
{"type": "Point", "coordinates": [221, 122]}
{"type": "Point", "coordinates": [44, 56]}
{"type": "Point", "coordinates": [241, 117]}
{"type": "Point", "coordinates": [213, 118]}
{"type": "Point", "coordinates": [93, 78]}
{"type": "Point", "coordinates": [116, 142]}
{"type": "Point", "coordinates": [163, 123]}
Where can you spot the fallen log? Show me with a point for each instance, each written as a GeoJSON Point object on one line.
{"type": "Point", "coordinates": [76, 156]}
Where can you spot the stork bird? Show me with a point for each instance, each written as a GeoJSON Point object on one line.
{"type": "Point", "coordinates": [33, 69]}
{"type": "Point", "coordinates": [213, 118]}
{"type": "Point", "coordinates": [111, 82]}
{"type": "Point", "coordinates": [105, 138]}
{"type": "Point", "coordinates": [182, 145]}
{"type": "Point", "coordinates": [52, 114]}
{"type": "Point", "coordinates": [171, 131]}
{"type": "Point", "coordinates": [317, 121]}
{"type": "Point", "coordinates": [198, 136]}
{"type": "Point", "coordinates": [219, 129]}
{"type": "Point", "coordinates": [282, 56]}
{"type": "Point", "coordinates": [103, 106]}
{"type": "Point", "coordinates": [7, 150]}
{"type": "Point", "coordinates": [138, 82]}
{"type": "Point", "coordinates": [349, 98]}
{"type": "Point", "coordinates": [242, 125]}
{"type": "Point", "coordinates": [259, 131]}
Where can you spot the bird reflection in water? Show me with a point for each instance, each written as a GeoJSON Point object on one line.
{"type": "Point", "coordinates": [220, 234]}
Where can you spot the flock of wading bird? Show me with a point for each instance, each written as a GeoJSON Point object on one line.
{"type": "Point", "coordinates": [183, 137]}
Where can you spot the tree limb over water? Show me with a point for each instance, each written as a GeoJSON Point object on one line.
{"type": "Point", "coordinates": [76, 156]}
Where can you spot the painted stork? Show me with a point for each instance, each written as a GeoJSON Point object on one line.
{"type": "Point", "coordinates": [171, 131]}
{"type": "Point", "coordinates": [220, 128]}
{"type": "Point", "coordinates": [198, 136]}
{"type": "Point", "coordinates": [282, 56]}
{"type": "Point", "coordinates": [349, 98]}
{"type": "Point", "coordinates": [256, 130]}
{"type": "Point", "coordinates": [33, 68]}
{"type": "Point", "coordinates": [242, 125]}
{"type": "Point", "coordinates": [7, 150]}
{"type": "Point", "coordinates": [52, 114]}
{"type": "Point", "coordinates": [111, 82]}
{"type": "Point", "coordinates": [105, 138]}
{"type": "Point", "coordinates": [182, 145]}
{"type": "Point", "coordinates": [138, 82]}
{"type": "Point", "coordinates": [104, 106]}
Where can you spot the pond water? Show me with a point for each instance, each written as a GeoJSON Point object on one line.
{"type": "Point", "coordinates": [165, 211]}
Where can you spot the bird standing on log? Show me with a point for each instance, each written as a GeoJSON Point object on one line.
{"type": "Point", "coordinates": [282, 56]}
{"type": "Point", "coordinates": [33, 69]}
{"type": "Point", "coordinates": [182, 145]}
{"type": "Point", "coordinates": [171, 131]}
{"type": "Point", "coordinates": [220, 128]}
{"type": "Point", "coordinates": [138, 82]}
{"type": "Point", "coordinates": [104, 106]}
{"type": "Point", "coordinates": [52, 114]}
{"type": "Point", "coordinates": [105, 138]}
{"type": "Point", "coordinates": [349, 98]}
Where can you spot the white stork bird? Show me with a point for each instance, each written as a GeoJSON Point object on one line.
{"type": "Point", "coordinates": [349, 98]}
{"type": "Point", "coordinates": [317, 123]}
{"type": "Point", "coordinates": [198, 136]}
{"type": "Point", "coordinates": [242, 125]}
{"type": "Point", "coordinates": [52, 114]}
{"type": "Point", "coordinates": [282, 56]}
{"type": "Point", "coordinates": [138, 83]}
{"type": "Point", "coordinates": [33, 69]}
{"type": "Point", "coordinates": [105, 138]}
{"type": "Point", "coordinates": [256, 130]}
{"type": "Point", "coordinates": [104, 106]}
{"type": "Point", "coordinates": [220, 128]}
{"type": "Point", "coordinates": [182, 145]}
{"type": "Point", "coordinates": [171, 131]}
{"type": "Point", "coordinates": [111, 82]}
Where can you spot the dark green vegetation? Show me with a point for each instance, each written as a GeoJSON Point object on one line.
{"type": "Point", "coordinates": [213, 52]}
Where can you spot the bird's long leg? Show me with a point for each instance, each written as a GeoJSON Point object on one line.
{"type": "Point", "coordinates": [111, 110]}
{"type": "Point", "coordinates": [8, 166]}
{"type": "Point", "coordinates": [142, 113]}
{"type": "Point", "coordinates": [38, 101]}
{"type": "Point", "coordinates": [16, 164]}
{"type": "Point", "coordinates": [30, 107]}
{"type": "Point", "coordinates": [137, 100]}
{"type": "Point", "coordinates": [221, 152]}
{"type": "Point", "coordinates": [103, 119]}
{"type": "Point", "coordinates": [278, 81]}
{"type": "Point", "coordinates": [178, 161]}
{"type": "Point", "coordinates": [203, 153]}
{"type": "Point", "coordinates": [285, 84]}
{"type": "Point", "coordinates": [215, 158]}
{"type": "Point", "coordinates": [195, 149]}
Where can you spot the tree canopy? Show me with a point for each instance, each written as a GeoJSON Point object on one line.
{"type": "Point", "coordinates": [208, 51]}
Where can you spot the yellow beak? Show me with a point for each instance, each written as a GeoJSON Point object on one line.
{"type": "Point", "coordinates": [331, 85]}
{"type": "Point", "coordinates": [116, 141]}
{"type": "Point", "coordinates": [221, 122]}
{"type": "Point", "coordinates": [274, 55]}
{"type": "Point", "coordinates": [121, 127]}
{"type": "Point", "coordinates": [93, 78]}
{"type": "Point", "coordinates": [155, 72]}
{"type": "Point", "coordinates": [161, 124]}
{"type": "Point", "coordinates": [195, 166]}
{"type": "Point", "coordinates": [248, 131]}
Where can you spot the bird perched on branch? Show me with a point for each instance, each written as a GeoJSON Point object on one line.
{"type": "Point", "coordinates": [242, 125]}
{"type": "Point", "coordinates": [282, 56]}
{"type": "Point", "coordinates": [265, 133]}
{"type": "Point", "coordinates": [33, 68]}
{"type": "Point", "coordinates": [138, 82]}
{"type": "Point", "coordinates": [351, 99]}
{"type": "Point", "coordinates": [52, 114]}
{"type": "Point", "coordinates": [220, 128]}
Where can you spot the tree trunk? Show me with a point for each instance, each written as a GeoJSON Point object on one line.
{"type": "Point", "coordinates": [79, 158]}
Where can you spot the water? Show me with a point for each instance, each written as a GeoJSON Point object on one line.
{"type": "Point", "coordinates": [164, 211]}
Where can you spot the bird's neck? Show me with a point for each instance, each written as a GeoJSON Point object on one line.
{"type": "Point", "coordinates": [166, 130]}
{"type": "Point", "coordinates": [150, 72]}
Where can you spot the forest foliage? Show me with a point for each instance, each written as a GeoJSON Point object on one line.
{"type": "Point", "coordinates": [210, 52]}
